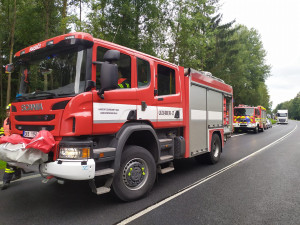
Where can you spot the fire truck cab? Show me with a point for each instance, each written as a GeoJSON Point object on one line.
{"type": "Point", "coordinates": [116, 113]}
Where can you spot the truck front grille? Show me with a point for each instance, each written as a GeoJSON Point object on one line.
{"type": "Point", "coordinates": [34, 127]}
{"type": "Point", "coordinates": [35, 118]}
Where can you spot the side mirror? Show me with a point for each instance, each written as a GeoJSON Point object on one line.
{"type": "Point", "coordinates": [9, 68]}
{"type": "Point", "coordinates": [111, 55]}
{"type": "Point", "coordinates": [109, 78]}
{"type": "Point", "coordinates": [109, 71]}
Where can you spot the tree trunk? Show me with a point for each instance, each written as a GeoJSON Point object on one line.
{"type": "Point", "coordinates": [12, 36]}
{"type": "Point", "coordinates": [64, 15]}
{"type": "Point", "coordinates": [80, 14]}
{"type": "Point", "coordinates": [47, 15]}
{"type": "Point", "coordinates": [176, 35]}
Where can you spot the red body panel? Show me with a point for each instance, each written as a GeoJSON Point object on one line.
{"type": "Point", "coordinates": [210, 82]}
{"type": "Point", "coordinates": [55, 40]}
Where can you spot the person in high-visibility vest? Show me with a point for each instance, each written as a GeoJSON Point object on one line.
{"type": "Point", "coordinates": [6, 124]}
{"type": "Point", "coordinates": [123, 82]}
{"type": "Point", "coordinates": [11, 172]}
{"type": "Point", "coordinates": [1, 131]}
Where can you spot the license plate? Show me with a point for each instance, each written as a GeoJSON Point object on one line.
{"type": "Point", "coordinates": [29, 134]}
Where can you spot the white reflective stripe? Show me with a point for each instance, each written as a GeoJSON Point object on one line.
{"type": "Point", "coordinates": [213, 115]}
{"type": "Point", "coordinates": [168, 113]}
{"type": "Point", "coordinates": [118, 113]}
{"type": "Point", "coordinates": [78, 71]}
{"type": "Point", "coordinates": [149, 114]}
{"type": "Point", "coordinates": [106, 113]}
{"type": "Point", "coordinates": [198, 114]}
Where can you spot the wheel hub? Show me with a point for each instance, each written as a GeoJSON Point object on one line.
{"type": "Point", "coordinates": [216, 150]}
{"type": "Point", "coordinates": [135, 174]}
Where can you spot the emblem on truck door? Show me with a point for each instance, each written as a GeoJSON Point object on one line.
{"type": "Point", "coordinates": [32, 107]}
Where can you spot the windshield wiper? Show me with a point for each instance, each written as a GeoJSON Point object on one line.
{"type": "Point", "coordinates": [44, 93]}
{"type": "Point", "coordinates": [65, 94]}
{"type": "Point", "coordinates": [21, 97]}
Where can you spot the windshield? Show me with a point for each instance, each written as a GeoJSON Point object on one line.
{"type": "Point", "coordinates": [244, 112]}
{"type": "Point", "coordinates": [282, 114]}
{"type": "Point", "coordinates": [58, 74]}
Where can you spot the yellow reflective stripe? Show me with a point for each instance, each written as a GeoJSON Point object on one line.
{"type": "Point", "coordinates": [127, 85]}
{"type": "Point", "coordinates": [9, 170]}
{"type": "Point", "coordinates": [121, 86]}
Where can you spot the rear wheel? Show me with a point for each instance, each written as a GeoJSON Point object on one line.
{"type": "Point", "coordinates": [213, 156]}
{"type": "Point", "coordinates": [136, 175]}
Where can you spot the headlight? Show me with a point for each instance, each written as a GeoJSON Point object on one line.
{"type": "Point", "coordinates": [74, 153]}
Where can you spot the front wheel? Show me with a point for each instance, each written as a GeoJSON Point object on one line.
{"type": "Point", "coordinates": [136, 175]}
{"type": "Point", "coordinates": [256, 130]}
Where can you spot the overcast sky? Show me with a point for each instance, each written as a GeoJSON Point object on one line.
{"type": "Point", "coordinates": [277, 21]}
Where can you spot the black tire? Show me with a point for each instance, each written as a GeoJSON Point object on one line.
{"type": "Point", "coordinates": [213, 156]}
{"type": "Point", "coordinates": [140, 162]}
{"type": "Point", "coordinates": [256, 130]}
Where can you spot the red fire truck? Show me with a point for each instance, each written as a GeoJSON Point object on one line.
{"type": "Point", "coordinates": [249, 118]}
{"type": "Point", "coordinates": [124, 132]}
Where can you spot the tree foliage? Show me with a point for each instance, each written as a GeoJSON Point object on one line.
{"type": "Point", "coordinates": [189, 33]}
{"type": "Point", "coordinates": [293, 106]}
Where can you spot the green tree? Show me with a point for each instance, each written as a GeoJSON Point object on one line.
{"type": "Point", "coordinates": [238, 57]}
{"type": "Point", "coordinates": [131, 23]}
{"type": "Point", "coordinates": [191, 32]}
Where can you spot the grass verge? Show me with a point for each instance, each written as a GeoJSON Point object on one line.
{"type": "Point", "coordinates": [2, 165]}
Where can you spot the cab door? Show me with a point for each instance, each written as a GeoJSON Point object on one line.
{"type": "Point", "coordinates": [119, 105]}
{"type": "Point", "coordinates": [146, 107]}
{"type": "Point", "coordinates": [168, 96]}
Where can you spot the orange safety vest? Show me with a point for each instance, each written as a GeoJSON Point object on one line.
{"type": "Point", "coordinates": [6, 127]}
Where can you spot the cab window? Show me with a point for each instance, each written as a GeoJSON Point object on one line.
{"type": "Point", "coordinates": [143, 73]}
{"type": "Point", "coordinates": [257, 112]}
{"type": "Point", "coordinates": [124, 69]}
{"type": "Point", "coordinates": [165, 80]}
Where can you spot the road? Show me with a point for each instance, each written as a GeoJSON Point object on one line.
{"type": "Point", "coordinates": [256, 182]}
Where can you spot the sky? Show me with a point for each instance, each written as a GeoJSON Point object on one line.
{"type": "Point", "coordinates": [277, 21]}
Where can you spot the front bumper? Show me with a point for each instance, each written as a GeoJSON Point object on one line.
{"type": "Point", "coordinates": [70, 169]}
{"type": "Point", "coordinates": [244, 125]}
{"type": "Point", "coordinates": [66, 169]}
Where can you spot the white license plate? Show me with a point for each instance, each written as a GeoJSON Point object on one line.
{"type": "Point", "coordinates": [29, 134]}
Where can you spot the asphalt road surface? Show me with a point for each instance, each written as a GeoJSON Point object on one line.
{"type": "Point", "coordinates": [257, 181]}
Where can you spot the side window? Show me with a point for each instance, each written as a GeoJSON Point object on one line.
{"type": "Point", "coordinates": [143, 73]}
{"type": "Point", "coordinates": [124, 67]}
{"type": "Point", "coordinates": [166, 80]}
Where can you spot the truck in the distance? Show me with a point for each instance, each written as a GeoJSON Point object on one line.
{"type": "Point", "coordinates": [282, 116]}
{"type": "Point", "coordinates": [249, 118]}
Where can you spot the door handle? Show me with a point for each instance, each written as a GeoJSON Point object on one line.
{"type": "Point", "coordinates": [144, 106]}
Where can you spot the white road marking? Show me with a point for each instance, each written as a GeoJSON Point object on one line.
{"type": "Point", "coordinates": [238, 135]}
{"type": "Point", "coordinates": [199, 182]}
